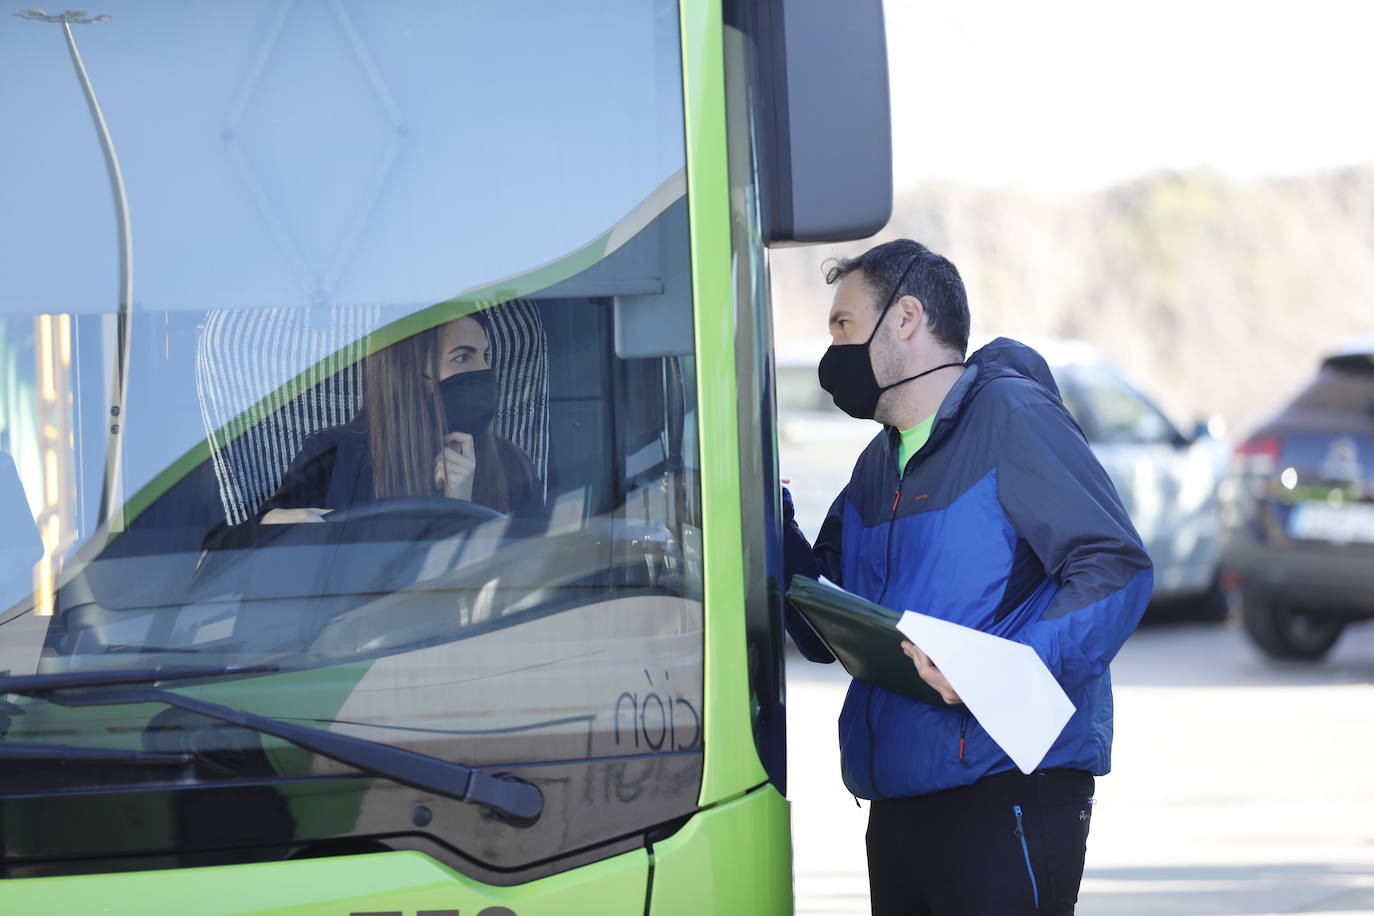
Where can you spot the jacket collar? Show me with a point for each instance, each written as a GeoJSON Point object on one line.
{"type": "Point", "coordinates": [1001, 358]}
{"type": "Point", "coordinates": [962, 390]}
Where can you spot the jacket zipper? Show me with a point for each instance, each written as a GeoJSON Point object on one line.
{"type": "Point", "coordinates": [1025, 851]}
{"type": "Point", "coordinates": [963, 732]}
{"type": "Point", "coordinates": [891, 523]}
{"type": "Point", "coordinates": [872, 747]}
{"type": "Point", "coordinates": [887, 553]}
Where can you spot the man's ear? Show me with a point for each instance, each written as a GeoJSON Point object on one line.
{"type": "Point", "coordinates": [913, 315]}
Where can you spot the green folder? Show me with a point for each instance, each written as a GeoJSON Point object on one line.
{"type": "Point", "coordinates": [862, 635]}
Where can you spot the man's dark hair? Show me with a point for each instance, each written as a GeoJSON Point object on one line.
{"type": "Point", "coordinates": [932, 279]}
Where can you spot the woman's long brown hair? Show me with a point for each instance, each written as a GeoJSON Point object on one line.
{"type": "Point", "coordinates": [406, 425]}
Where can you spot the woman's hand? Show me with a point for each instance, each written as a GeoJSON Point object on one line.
{"type": "Point", "coordinates": [293, 516]}
{"type": "Point", "coordinates": [456, 466]}
{"type": "Point", "coordinates": [930, 674]}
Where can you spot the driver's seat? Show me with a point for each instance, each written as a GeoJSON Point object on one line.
{"type": "Point", "coordinates": [241, 355]}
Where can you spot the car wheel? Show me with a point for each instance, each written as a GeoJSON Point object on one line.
{"type": "Point", "coordinates": [1283, 632]}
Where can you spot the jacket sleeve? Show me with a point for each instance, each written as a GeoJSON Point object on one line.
{"type": "Point", "coordinates": [1060, 500]}
{"type": "Point", "coordinates": [306, 481]}
{"type": "Point", "coordinates": [524, 496]}
{"type": "Point", "coordinates": [799, 558]}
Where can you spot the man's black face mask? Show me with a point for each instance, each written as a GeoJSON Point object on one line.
{"type": "Point", "coordinates": [846, 370]}
{"type": "Point", "coordinates": [469, 401]}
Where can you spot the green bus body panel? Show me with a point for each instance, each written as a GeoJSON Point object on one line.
{"type": "Point", "coordinates": [732, 763]}
{"type": "Point", "coordinates": [390, 882]}
{"type": "Point", "coordinates": [735, 858]}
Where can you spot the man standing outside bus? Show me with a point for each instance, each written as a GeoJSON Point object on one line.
{"type": "Point", "coordinates": [980, 503]}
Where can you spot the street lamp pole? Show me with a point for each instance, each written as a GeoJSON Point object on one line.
{"type": "Point", "coordinates": [112, 498]}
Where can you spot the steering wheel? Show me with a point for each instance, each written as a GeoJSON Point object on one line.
{"type": "Point", "coordinates": [426, 508]}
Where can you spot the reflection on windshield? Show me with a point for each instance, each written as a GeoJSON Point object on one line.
{"type": "Point", "coordinates": [507, 457]}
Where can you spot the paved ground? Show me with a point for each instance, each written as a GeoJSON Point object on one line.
{"type": "Point", "coordinates": [1240, 787]}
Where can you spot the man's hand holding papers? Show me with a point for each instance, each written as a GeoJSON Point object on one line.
{"type": "Point", "coordinates": [1003, 683]}
{"type": "Point", "coordinates": [931, 674]}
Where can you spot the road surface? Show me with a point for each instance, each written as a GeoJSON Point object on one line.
{"type": "Point", "coordinates": [1239, 787]}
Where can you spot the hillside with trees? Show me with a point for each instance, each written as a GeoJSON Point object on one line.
{"type": "Point", "coordinates": [1216, 295]}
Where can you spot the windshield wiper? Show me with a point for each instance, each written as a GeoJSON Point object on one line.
{"type": "Point", "coordinates": [36, 752]}
{"type": "Point", "coordinates": [509, 798]}
{"type": "Point", "coordinates": [30, 684]}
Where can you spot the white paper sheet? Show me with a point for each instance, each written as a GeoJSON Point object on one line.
{"type": "Point", "coordinates": [1003, 683]}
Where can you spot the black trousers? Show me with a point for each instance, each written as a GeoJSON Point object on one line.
{"type": "Point", "coordinates": [1008, 845]}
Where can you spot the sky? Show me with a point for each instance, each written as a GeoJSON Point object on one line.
{"type": "Point", "coordinates": [1069, 95]}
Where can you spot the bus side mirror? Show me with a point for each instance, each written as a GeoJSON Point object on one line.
{"type": "Point", "coordinates": [825, 120]}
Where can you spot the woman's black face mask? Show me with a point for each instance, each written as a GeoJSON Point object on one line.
{"type": "Point", "coordinates": [469, 401]}
{"type": "Point", "coordinates": [846, 370]}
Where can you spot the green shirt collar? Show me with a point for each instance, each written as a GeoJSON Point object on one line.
{"type": "Point", "coordinates": [912, 440]}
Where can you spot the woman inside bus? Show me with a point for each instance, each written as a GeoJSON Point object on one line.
{"type": "Point", "coordinates": [424, 430]}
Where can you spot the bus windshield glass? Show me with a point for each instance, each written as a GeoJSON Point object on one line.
{"type": "Point", "coordinates": [355, 340]}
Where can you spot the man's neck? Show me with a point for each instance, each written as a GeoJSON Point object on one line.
{"type": "Point", "coordinates": [917, 401]}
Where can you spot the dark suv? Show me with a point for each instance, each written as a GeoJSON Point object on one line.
{"type": "Point", "coordinates": [1300, 551]}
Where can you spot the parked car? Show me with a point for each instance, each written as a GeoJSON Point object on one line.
{"type": "Point", "coordinates": [1168, 480]}
{"type": "Point", "coordinates": [1299, 556]}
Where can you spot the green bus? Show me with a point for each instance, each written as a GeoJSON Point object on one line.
{"type": "Point", "coordinates": [388, 499]}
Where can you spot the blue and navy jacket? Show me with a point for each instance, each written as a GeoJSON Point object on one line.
{"type": "Point", "coordinates": [1003, 521]}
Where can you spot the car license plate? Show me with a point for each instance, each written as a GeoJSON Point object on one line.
{"type": "Point", "coordinates": [1351, 523]}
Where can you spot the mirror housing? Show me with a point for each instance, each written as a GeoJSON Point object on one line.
{"type": "Point", "coordinates": [823, 115]}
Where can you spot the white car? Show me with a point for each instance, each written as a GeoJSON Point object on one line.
{"type": "Point", "coordinates": [1168, 480]}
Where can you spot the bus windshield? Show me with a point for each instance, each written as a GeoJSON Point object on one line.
{"type": "Point", "coordinates": [356, 341]}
